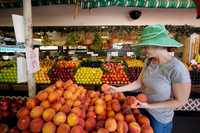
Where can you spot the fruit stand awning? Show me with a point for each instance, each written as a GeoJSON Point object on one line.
{"type": "Point", "coordinates": [19, 3]}
{"type": "Point", "coordinates": [105, 3]}
{"type": "Point", "coordinates": [139, 3]}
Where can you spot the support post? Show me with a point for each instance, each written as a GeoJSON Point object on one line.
{"type": "Point", "coordinates": [27, 11]}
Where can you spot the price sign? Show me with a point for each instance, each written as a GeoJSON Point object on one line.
{"type": "Point", "coordinates": [18, 22]}
{"type": "Point", "coordinates": [21, 70]}
{"type": "Point", "coordinates": [90, 53]}
{"type": "Point", "coordinates": [130, 54]}
{"type": "Point", "coordinates": [71, 52]}
{"type": "Point", "coordinates": [32, 57]}
{"type": "Point", "coordinates": [94, 55]}
{"type": "Point", "coordinates": [114, 53]}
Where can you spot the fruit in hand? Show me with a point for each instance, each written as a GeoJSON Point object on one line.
{"type": "Point", "coordinates": [142, 97]}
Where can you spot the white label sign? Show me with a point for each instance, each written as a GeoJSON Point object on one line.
{"type": "Point", "coordinates": [114, 53]}
{"type": "Point", "coordinates": [32, 57]}
{"type": "Point", "coordinates": [94, 55]}
{"type": "Point", "coordinates": [130, 54]}
{"type": "Point", "coordinates": [21, 70]}
{"type": "Point", "coordinates": [71, 52]}
{"type": "Point", "coordinates": [18, 22]}
{"type": "Point", "coordinates": [90, 53]}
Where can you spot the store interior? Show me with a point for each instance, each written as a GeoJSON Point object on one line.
{"type": "Point", "coordinates": [92, 44]}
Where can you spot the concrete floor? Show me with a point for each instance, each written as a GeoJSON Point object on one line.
{"type": "Point", "coordinates": [186, 122]}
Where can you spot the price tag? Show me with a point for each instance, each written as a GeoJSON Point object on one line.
{"type": "Point", "coordinates": [74, 58]}
{"type": "Point", "coordinates": [32, 58]}
{"type": "Point", "coordinates": [82, 47]}
{"type": "Point", "coordinates": [114, 53]}
{"type": "Point", "coordinates": [90, 53]}
{"type": "Point", "coordinates": [130, 53]}
{"type": "Point", "coordinates": [71, 47]}
{"type": "Point", "coordinates": [94, 55]}
{"type": "Point", "coordinates": [21, 70]}
{"type": "Point", "coordinates": [18, 22]}
{"type": "Point", "coordinates": [49, 47]}
{"type": "Point", "coordinates": [71, 52]}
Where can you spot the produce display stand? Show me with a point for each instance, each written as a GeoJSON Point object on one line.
{"type": "Point", "coordinates": [81, 51]}
{"type": "Point", "coordinates": [37, 92]}
{"type": "Point", "coordinates": [15, 50]}
{"type": "Point", "coordinates": [27, 11]}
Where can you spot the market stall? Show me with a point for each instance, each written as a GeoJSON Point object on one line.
{"type": "Point", "coordinates": [77, 63]}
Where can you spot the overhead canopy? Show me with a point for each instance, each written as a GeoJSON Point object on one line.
{"type": "Point", "coordinates": [105, 3]}
{"type": "Point", "coordinates": [19, 3]}
{"type": "Point", "coordinates": [139, 3]}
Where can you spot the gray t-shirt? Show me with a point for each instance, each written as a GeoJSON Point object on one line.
{"type": "Point", "coordinates": [158, 80]}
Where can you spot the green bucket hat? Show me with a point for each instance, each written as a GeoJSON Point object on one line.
{"type": "Point", "coordinates": [156, 35]}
